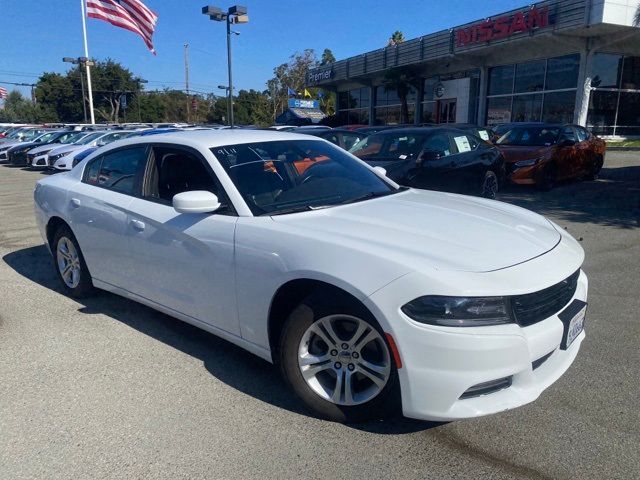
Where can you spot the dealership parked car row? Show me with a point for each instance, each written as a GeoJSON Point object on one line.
{"type": "Point", "coordinates": [459, 158]}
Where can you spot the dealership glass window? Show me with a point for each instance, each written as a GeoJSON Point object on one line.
{"type": "Point", "coordinates": [498, 110]}
{"type": "Point", "coordinates": [629, 113]}
{"type": "Point", "coordinates": [501, 80]}
{"type": "Point", "coordinates": [562, 72]}
{"type": "Point", "coordinates": [603, 105]}
{"type": "Point", "coordinates": [530, 76]}
{"type": "Point", "coordinates": [631, 74]}
{"type": "Point", "coordinates": [526, 108]}
{"type": "Point", "coordinates": [353, 106]}
{"type": "Point", "coordinates": [606, 69]}
{"type": "Point", "coordinates": [559, 106]}
{"type": "Point", "coordinates": [428, 112]}
{"type": "Point", "coordinates": [428, 91]}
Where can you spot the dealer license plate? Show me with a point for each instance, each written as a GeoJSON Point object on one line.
{"type": "Point", "coordinates": [576, 325]}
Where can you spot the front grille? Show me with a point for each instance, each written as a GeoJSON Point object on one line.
{"type": "Point", "coordinates": [535, 307]}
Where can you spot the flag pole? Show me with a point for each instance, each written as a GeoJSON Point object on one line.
{"type": "Point", "coordinates": [86, 64]}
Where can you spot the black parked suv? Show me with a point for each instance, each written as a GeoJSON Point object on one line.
{"type": "Point", "coordinates": [437, 158]}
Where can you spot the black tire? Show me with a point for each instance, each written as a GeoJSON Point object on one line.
{"type": "Point", "coordinates": [84, 286]}
{"type": "Point", "coordinates": [597, 166]}
{"type": "Point", "coordinates": [490, 185]}
{"type": "Point", "coordinates": [318, 306]}
{"type": "Point", "coordinates": [547, 179]}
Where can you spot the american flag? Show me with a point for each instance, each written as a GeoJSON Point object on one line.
{"type": "Point", "coordinates": [132, 15]}
{"type": "Point", "coordinates": [3, 92]}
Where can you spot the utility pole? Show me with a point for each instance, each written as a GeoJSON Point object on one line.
{"type": "Point", "coordinates": [186, 80]}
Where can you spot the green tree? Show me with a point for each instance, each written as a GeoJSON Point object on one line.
{"type": "Point", "coordinates": [327, 57]}
{"type": "Point", "coordinates": [397, 37]}
{"type": "Point", "coordinates": [55, 93]}
{"type": "Point", "coordinates": [402, 80]}
{"type": "Point", "coordinates": [110, 82]}
{"type": "Point", "coordinates": [636, 18]}
{"type": "Point", "coordinates": [19, 109]}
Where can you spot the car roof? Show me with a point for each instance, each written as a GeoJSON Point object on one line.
{"type": "Point", "coordinates": [216, 138]}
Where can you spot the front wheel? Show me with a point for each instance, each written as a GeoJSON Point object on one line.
{"type": "Point", "coordinates": [70, 265]}
{"type": "Point", "coordinates": [490, 185]}
{"type": "Point", "coordinates": [337, 361]}
{"type": "Point", "coordinates": [595, 169]}
{"type": "Point", "coordinates": [547, 179]}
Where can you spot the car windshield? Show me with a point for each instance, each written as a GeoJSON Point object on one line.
{"type": "Point", "coordinates": [112, 137]}
{"type": "Point", "coordinates": [69, 137]}
{"type": "Point", "coordinates": [47, 137]}
{"type": "Point", "coordinates": [31, 134]}
{"type": "Point", "coordinates": [296, 175]}
{"type": "Point", "coordinates": [399, 146]}
{"type": "Point", "coordinates": [90, 138]}
{"type": "Point", "coordinates": [530, 136]}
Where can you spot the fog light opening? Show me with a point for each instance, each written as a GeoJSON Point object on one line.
{"type": "Point", "coordinates": [486, 388]}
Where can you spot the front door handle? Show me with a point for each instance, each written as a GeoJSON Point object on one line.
{"type": "Point", "coordinates": [137, 225]}
{"type": "Point", "coordinates": [75, 202]}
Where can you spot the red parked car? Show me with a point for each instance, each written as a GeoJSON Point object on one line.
{"type": "Point", "coordinates": [542, 154]}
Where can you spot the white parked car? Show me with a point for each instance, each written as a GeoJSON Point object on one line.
{"type": "Point", "coordinates": [38, 157]}
{"type": "Point", "coordinates": [62, 158]}
{"type": "Point", "coordinates": [372, 298]}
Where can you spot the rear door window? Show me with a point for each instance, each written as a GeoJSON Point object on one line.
{"type": "Point", "coordinates": [120, 171]}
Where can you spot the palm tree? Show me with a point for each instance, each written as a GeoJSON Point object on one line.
{"type": "Point", "coordinates": [401, 80]}
{"type": "Point", "coordinates": [396, 38]}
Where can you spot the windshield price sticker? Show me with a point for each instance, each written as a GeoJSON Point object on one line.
{"type": "Point", "coordinates": [463, 144]}
{"type": "Point", "coordinates": [484, 135]}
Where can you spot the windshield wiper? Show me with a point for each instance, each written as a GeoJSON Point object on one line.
{"type": "Point", "coordinates": [284, 211]}
{"type": "Point", "coordinates": [370, 195]}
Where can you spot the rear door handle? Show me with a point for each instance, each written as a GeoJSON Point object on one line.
{"type": "Point", "coordinates": [137, 225]}
{"type": "Point", "coordinates": [75, 202]}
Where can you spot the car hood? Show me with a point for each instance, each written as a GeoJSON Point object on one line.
{"type": "Point", "coordinates": [425, 229]}
{"type": "Point", "coordinates": [514, 153]}
{"type": "Point", "coordinates": [43, 148]}
{"type": "Point", "coordinates": [64, 149]}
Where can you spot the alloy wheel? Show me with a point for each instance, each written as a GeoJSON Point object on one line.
{"type": "Point", "coordinates": [68, 262]}
{"type": "Point", "coordinates": [490, 186]}
{"type": "Point", "coordinates": [344, 360]}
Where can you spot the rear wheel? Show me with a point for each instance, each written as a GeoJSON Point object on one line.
{"type": "Point", "coordinates": [336, 359]}
{"type": "Point", "coordinates": [70, 265]}
{"type": "Point", "coordinates": [490, 185]}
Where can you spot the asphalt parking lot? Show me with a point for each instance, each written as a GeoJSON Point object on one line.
{"type": "Point", "coordinates": [107, 388]}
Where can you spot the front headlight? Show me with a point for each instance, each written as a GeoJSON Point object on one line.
{"type": "Point", "coordinates": [527, 163]}
{"type": "Point", "coordinates": [459, 311]}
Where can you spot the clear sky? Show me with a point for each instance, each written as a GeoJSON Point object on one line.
{"type": "Point", "coordinates": [36, 34]}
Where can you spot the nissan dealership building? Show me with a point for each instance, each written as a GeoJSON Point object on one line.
{"type": "Point", "coordinates": [557, 61]}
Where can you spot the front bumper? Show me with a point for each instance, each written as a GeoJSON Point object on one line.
{"type": "Point", "coordinates": [41, 161]}
{"type": "Point", "coordinates": [440, 364]}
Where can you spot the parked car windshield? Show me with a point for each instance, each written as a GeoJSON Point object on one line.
{"type": "Point", "coordinates": [530, 136]}
{"type": "Point", "coordinates": [296, 175]}
{"type": "Point", "coordinates": [390, 147]}
{"type": "Point", "coordinates": [90, 138]}
{"type": "Point", "coordinates": [47, 137]}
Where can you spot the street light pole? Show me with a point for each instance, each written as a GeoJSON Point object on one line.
{"type": "Point", "coordinates": [84, 103]}
{"type": "Point", "coordinates": [230, 86]}
{"type": "Point", "coordinates": [235, 14]}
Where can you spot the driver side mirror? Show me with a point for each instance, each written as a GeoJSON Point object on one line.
{"type": "Point", "coordinates": [195, 201]}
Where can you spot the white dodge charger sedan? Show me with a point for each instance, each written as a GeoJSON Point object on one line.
{"type": "Point", "coordinates": [374, 299]}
